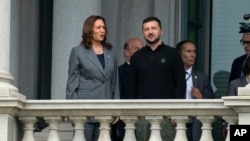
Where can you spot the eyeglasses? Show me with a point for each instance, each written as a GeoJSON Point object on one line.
{"type": "Point", "coordinates": [245, 42]}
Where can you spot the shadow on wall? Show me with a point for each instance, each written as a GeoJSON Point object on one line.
{"type": "Point", "coordinates": [221, 83]}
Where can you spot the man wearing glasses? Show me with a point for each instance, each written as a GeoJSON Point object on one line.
{"type": "Point", "coordinates": [238, 63]}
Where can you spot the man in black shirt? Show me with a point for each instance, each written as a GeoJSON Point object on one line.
{"type": "Point", "coordinates": [157, 70]}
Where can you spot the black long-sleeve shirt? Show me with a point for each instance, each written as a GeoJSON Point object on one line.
{"type": "Point", "coordinates": [157, 74]}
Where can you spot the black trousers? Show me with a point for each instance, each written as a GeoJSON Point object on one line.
{"type": "Point", "coordinates": [118, 131]}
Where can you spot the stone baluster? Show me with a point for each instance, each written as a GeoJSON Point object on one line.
{"type": "Point", "coordinates": [78, 122]}
{"type": "Point", "coordinates": [155, 127]}
{"type": "Point", "coordinates": [53, 122]}
{"type": "Point", "coordinates": [180, 127]}
{"type": "Point", "coordinates": [130, 127]}
{"type": "Point", "coordinates": [104, 127]}
{"type": "Point", "coordinates": [231, 120]}
{"type": "Point", "coordinates": [206, 127]}
{"type": "Point", "coordinates": [28, 128]}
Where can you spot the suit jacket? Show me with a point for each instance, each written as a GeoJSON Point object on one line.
{"type": "Point", "coordinates": [232, 89]}
{"type": "Point", "coordinates": [123, 71]}
{"type": "Point", "coordinates": [201, 81]}
{"type": "Point", "coordinates": [86, 77]}
{"type": "Point", "coordinates": [236, 68]}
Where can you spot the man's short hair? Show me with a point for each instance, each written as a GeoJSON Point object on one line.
{"type": "Point", "coordinates": [152, 18]}
{"type": "Point", "coordinates": [179, 46]}
{"type": "Point", "coordinates": [125, 45]}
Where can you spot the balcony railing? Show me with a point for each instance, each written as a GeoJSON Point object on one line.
{"type": "Point", "coordinates": [14, 109]}
{"type": "Point", "coordinates": [18, 115]}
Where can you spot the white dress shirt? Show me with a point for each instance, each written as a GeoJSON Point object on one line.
{"type": "Point", "coordinates": [189, 83]}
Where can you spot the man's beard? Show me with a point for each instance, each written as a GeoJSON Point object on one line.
{"type": "Point", "coordinates": [153, 41]}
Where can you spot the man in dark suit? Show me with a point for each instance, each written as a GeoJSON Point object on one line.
{"type": "Point", "coordinates": [198, 85]}
{"type": "Point", "coordinates": [130, 47]}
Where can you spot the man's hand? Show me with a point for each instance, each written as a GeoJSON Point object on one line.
{"type": "Point", "coordinates": [115, 120]}
{"type": "Point", "coordinates": [195, 93]}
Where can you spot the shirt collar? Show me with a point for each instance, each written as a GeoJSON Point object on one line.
{"type": "Point", "coordinates": [189, 71]}
{"type": "Point", "coordinates": [162, 43]}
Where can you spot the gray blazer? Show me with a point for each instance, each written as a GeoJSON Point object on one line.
{"type": "Point", "coordinates": [232, 89]}
{"type": "Point", "coordinates": [201, 81]}
{"type": "Point", "coordinates": [86, 77]}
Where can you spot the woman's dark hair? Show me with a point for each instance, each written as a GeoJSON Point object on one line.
{"type": "Point", "coordinates": [246, 67]}
{"type": "Point", "coordinates": [149, 19]}
{"type": "Point", "coordinates": [87, 31]}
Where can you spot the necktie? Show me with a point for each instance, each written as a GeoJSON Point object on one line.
{"type": "Point", "coordinates": [188, 85]}
{"type": "Point", "coordinates": [188, 76]}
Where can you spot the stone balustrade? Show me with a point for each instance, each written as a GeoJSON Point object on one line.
{"type": "Point", "coordinates": [77, 112]}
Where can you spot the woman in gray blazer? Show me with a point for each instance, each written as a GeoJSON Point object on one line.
{"type": "Point", "coordinates": [92, 69]}
{"type": "Point", "coordinates": [240, 82]}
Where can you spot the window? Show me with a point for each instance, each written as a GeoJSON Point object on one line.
{"type": "Point", "coordinates": [194, 12]}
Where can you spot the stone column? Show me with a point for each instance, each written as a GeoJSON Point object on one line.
{"type": "Point", "coordinates": [231, 120]}
{"type": "Point", "coordinates": [206, 127]}
{"type": "Point", "coordinates": [78, 122]}
{"type": "Point", "coordinates": [68, 18]}
{"type": "Point", "coordinates": [104, 127]}
{"type": "Point", "coordinates": [28, 128]}
{"type": "Point", "coordinates": [5, 77]}
{"type": "Point", "coordinates": [130, 127]}
{"type": "Point", "coordinates": [155, 127]}
{"type": "Point", "coordinates": [53, 122]}
{"type": "Point", "coordinates": [180, 127]}
{"type": "Point", "coordinates": [7, 90]}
